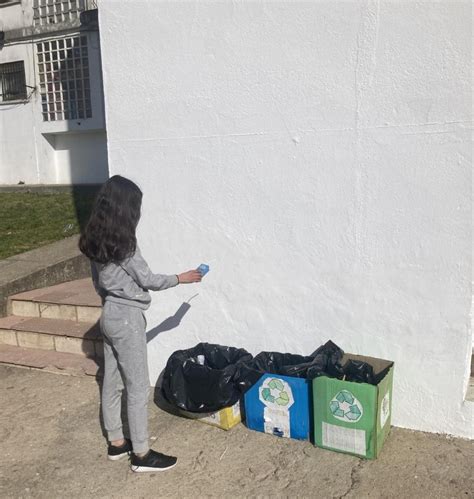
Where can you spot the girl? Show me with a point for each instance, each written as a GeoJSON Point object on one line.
{"type": "Point", "coordinates": [122, 278]}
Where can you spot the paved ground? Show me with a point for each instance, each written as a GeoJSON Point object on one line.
{"type": "Point", "coordinates": [52, 447]}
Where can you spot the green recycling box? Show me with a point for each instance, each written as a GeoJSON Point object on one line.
{"type": "Point", "coordinates": [354, 417]}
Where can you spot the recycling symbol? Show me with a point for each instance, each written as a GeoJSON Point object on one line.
{"type": "Point", "coordinates": [275, 391]}
{"type": "Point", "coordinates": [345, 407]}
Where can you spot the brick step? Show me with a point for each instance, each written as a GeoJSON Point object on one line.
{"type": "Point", "coordinates": [51, 361]}
{"type": "Point", "coordinates": [80, 338]}
{"type": "Point", "coordinates": [73, 301]}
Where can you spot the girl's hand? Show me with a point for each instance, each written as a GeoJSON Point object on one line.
{"type": "Point", "coordinates": [189, 277]}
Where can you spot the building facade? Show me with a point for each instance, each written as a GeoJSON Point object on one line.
{"type": "Point", "coordinates": [318, 156]}
{"type": "Point", "coordinates": [52, 126]}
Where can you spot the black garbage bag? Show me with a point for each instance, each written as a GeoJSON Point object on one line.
{"type": "Point", "coordinates": [359, 371]}
{"type": "Point", "coordinates": [363, 372]}
{"type": "Point", "coordinates": [206, 378]}
{"type": "Point", "coordinates": [325, 361]}
{"type": "Point", "coordinates": [330, 358]}
{"type": "Point", "coordinates": [284, 364]}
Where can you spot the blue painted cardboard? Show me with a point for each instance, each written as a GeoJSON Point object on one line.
{"type": "Point", "coordinates": [203, 268]}
{"type": "Point", "coordinates": [279, 405]}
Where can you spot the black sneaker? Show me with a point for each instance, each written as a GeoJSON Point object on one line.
{"type": "Point", "coordinates": [153, 461]}
{"type": "Point", "coordinates": [115, 453]}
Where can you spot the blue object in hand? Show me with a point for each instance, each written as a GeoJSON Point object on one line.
{"type": "Point", "coordinates": [203, 268]}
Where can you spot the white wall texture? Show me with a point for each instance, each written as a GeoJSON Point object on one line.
{"type": "Point", "coordinates": [317, 156]}
{"type": "Point", "coordinates": [17, 15]}
{"type": "Point", "coordinates": [83, 150]}
{"type": "Point", "coordinates": [21, 148]}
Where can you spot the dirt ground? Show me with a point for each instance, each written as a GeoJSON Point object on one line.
{"type": "Point", "coordinates": [52, 447]}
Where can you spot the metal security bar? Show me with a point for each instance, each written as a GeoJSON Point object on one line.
{"type": "Point", "coordinates": [12, 81]}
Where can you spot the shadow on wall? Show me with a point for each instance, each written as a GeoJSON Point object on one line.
{"type": "Point", "coordinates": [169, 323]}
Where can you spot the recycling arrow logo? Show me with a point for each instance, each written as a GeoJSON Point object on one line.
{"type": "Point", "coordinates": [276, 392]}
{"type": "Point", "coordinates": [345, 407]}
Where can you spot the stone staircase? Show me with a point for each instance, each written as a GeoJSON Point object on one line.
{"type": "Point", "coordinates": [55, 329]}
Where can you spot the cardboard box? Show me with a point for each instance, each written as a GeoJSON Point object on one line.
{"type": "Point", "coordinates": [350, 417]}
{"type": "Point", "coordinates": [225, 419]}
{"type": "Point", "coordinates": [279, 405]}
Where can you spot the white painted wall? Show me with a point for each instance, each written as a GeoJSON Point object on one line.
{"type": "Point", "coordinates": [20, 140]}
{"type": "Point", "coordinates": [16, 15]}
{"type": "Point", "coordinates": [317, 156]}
{"type": "Point", "coordinates": [27, 144]}
{"type": "Point", "coordinates": [84, 150]}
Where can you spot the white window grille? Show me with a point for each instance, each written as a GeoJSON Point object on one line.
{"type": "Point", "coordinates": [57, 11]}
{"type": "Point", "coordinates": [64, 79]}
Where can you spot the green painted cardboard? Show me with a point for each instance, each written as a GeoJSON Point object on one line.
{"type": "Point", "coordinates": [350, 417]}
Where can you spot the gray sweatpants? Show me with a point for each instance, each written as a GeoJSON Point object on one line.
{"type": "Point", "coordinates": [125, 365]}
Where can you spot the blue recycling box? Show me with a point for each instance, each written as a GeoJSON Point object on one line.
{"type": "Point", "coordinates": [279, 405]}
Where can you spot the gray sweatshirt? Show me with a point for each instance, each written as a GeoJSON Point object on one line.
{"type": "Point", "coordinates": [128, 282]}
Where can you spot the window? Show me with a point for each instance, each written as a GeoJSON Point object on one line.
{"type": "Point", "coordinates": [64, 79]}
{"type": "Point", "coordinates": [12, 81]}
{"type": "Point", "coordinates": [56, 11]}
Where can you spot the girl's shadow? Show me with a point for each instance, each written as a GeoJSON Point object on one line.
{"type": "Point", "coordinates": [169, 323]}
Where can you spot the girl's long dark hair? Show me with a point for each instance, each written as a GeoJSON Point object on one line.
{"type": "Point", "coordinates": [109, 235]}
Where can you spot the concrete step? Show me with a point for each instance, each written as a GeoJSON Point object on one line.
{"type": "Point", "coordinates": [48, 360]}
{"type": "Point", "coordinates": [56, 262]}
{"type": "Point", "coordinates": [65, 336]}
{"type": "Point", "coordinates": [73, 301]}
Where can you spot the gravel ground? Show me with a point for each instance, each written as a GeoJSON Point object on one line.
{"type": "Point", "coordinates": [52, 447]}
